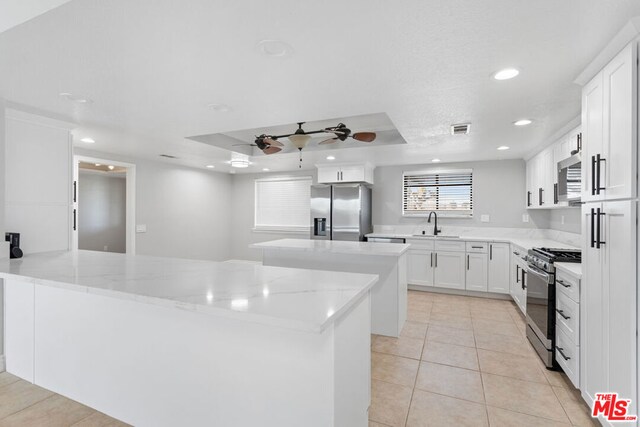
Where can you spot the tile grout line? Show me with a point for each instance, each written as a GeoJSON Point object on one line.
{"type": "Point", "coordinates": [27, 407]}
{"type": "Point", "coordinates": [415, 381]}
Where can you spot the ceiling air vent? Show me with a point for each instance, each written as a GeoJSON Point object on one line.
{"type": "Point", "coordinates": [168, 156]}
{"type": "Point", "coordinates": [460, 129]}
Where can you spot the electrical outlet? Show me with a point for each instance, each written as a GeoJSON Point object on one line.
{"type": "Point", "coordinates": [562, 219]}
{"type": "Point", "coordinates": [485, 218]}
{"type": "Point", "coordinates": [141, 228]}
{"type": "Point", "coordinates": [525, 218]}
{"type": "Point", "coordinates": [106, 248]}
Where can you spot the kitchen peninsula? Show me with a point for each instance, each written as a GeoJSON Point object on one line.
{"type": "Point", "coordinates": [165, 342]}
{"type": "Point", "coordinates": [387, 260]}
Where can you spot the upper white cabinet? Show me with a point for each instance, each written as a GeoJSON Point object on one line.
{"type": "Point", "coordinates": [498, 268]}
{"type": "Point", "coordinates": [609, 117]}
{"type": "Point", "coordinates": [329, 174]}
{"type": "Point", "coordinates": [542, 171]}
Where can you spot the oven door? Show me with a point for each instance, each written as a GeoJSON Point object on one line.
{"type": "Point", "coordinates": [541, 304]}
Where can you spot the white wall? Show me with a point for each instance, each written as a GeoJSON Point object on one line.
{"type": "Point", "coordinates": [242, 220]}
{"type": "Point", "coordinates": [38, 181]}
{"type": "Point", "coordinates": [186, 210]}
{"type": "Point", "coordinates": [572, 220]}
{"type": "Point", "coordinates": [499, 190]}
{"type": "Point", "coordinates": [102, 202]}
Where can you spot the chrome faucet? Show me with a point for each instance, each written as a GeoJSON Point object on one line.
{"type": "Point", "coordinates": [435, 226]}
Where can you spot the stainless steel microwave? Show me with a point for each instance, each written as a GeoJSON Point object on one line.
{"type": "Point", "coordinates": [570, 179]}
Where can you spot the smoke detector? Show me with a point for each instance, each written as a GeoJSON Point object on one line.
{"type": "Point", "coordinates": [460, 129]}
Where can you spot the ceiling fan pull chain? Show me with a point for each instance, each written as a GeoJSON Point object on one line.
{"type": "Point", "coordinates": [300, 164]}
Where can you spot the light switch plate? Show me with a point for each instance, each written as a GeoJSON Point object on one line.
{"type": "Point", "coordinates": [525, 218]}
{"type": "Point", "coordinates": [485, 218]}
{"type": "Point", "coordinates": [141, 228]}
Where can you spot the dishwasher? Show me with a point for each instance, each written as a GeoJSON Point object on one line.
{"type": "Point", "coordinates": [385, 240]}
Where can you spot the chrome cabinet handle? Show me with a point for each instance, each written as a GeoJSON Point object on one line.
{"type": "Point", "coordinates": [562, 353]}
{"type": "Point", "coordinates": [561, 313]}
{"type": "Point", "coordinates": [563, 283]}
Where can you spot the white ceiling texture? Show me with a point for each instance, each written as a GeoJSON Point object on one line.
{"type": "Point", "coordinates": [152, 73]}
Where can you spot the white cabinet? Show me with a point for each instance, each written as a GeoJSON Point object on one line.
{"type": "Point", "coordinates": [518, 278]}
{"type": "Point", "coordinates": [498, 268]}
{"type": "Point", "coordinates": [609, 116]}
{"type": "Point", "coordinates": [449, 270]}
{"type": "Point", "coordinates": [608, 300]}
{"type": "Point", "coordinates": [476, 277]}
{"type": "Point", "coordinates": [568, 324]}
{"type": "Point", "coordinates": [345, 173]}
{"type": "Point", "coordinates": [420, 267]}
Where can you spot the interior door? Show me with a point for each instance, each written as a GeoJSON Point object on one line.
{"type": "Point", "coordinates": [346, 212]}
{"type": "Point", "coordinates": [449, 270]}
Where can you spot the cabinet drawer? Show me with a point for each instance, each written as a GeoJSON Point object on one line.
{"type": "Point", "coordinates": [428, 244]}
{"type": "Point", "coordinates": [480, 247]}
{"type": "Point", "coordinates": [568, 316]}
{"type": "Point", "coordinates": [567, 355]}
{"type": "Point", "coordinates": [450, 245]}
{"type": "Point", "coordinates": [568, 285]}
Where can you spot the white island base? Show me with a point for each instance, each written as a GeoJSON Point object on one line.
{"type": "Point", "coordinates": [159, 365]}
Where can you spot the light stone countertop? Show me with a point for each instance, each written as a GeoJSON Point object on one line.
{"type": "Point", "coordinates": [335, 246]}
{"type": "Point", "coordinates": [308, 300]}
{"type": "Point", "coordinates": [523, 242]}
{"type": "Point", "coordinates": [574, 268]}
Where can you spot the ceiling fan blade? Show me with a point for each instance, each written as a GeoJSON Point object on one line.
{"type": "Point", "coordinates": [364, 136]}
{"type": "Point", "coordinates": [329, 141]}
{"type": "Point", "coordinates": [271, 150]}
{"type": "Point", "coordinates": [273, 142]}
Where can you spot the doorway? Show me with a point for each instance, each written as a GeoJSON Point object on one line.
{"type": "Point", "coordinates": [103, 205]}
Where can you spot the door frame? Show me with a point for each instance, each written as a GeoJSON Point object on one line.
{"type": "Point", "coordinates": [130, 199]}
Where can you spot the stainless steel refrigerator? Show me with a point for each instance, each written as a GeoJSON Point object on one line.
{"type": "Point", "coordinates": [340, 212]}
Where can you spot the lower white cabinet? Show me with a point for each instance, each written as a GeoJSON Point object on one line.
{"type": "Point", "coordinates": [449, 270]}
{"type": "Point", "coordinates": [518, 280]}
{"type": "Point", "coordinates": [568, 324]}
{"type": "Point", "coordinates": [498, 268]}
{"type": "Point", "coordinates": [420, 267]}
{"type": "Point", "coordinates": [476, 277]}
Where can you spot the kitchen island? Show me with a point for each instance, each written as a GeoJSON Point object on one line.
{"type": "Point", "coordinates": [387, 260]}
{"type": "Point", "coordinates": [166, 342]}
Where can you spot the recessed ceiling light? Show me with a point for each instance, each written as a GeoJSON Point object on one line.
{"type": "Point", "coordinates": [88, 140]}
{"type": "Point", "coordinates": [219, 108]}
{"type": "Point", "coordinates": [522, 122]}
{"type": "Point", "coordinates": [506, 74]}
{"type": "Point", "coordinates": [111, 167]}
{"type": "Point", "coordinates": [331, 158]}
{"type": "Point", "coordinates": [265, 169]}
{"type": "Point", "coordinates": [98, 164]}
{"type": "Point", "coordinates": [274, 48]}
{"type": "Point", "coordinates": [503, 147]}
{"type": "Point", "coordinates": [239, 163]}
{"type": "Point", "coordinates": [436, 160]}
{"type": "Point", "coordinates": [210, 166]}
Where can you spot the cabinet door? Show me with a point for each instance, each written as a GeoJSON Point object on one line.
{"type": "Point", "coordinates": [420, 267]}
{"type": "Point", "coordinates": [618, 165]}
{"type": "Point", "coordinates": [517, 289]}
{"type": "Point", "coordinates": [532, 177]}
{"type": "Point", "coordinates": [498, 274]}
{"type": "Point", "coordinates": [476, 276]}
{"type": "Point", "coordinates": [592, 126]}
{"type": "Point", "coordinates": [328, 174]}
{"type": "Point", "coordinates": [546, 171]}
{"type": "Point", "coordinates": [450, 270]}
{"type": "Point", "coordinates": [353, 173]}
{"type": "Point", "coordinates": [620, 297]}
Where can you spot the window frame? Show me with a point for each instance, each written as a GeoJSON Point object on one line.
{"type": "Point", "coordinates": [279, 229]}
{"type": "Point", "coordinates": [441, 213]}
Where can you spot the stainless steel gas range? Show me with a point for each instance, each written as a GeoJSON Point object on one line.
{"type": "Point", "coordinates": [541, 298]}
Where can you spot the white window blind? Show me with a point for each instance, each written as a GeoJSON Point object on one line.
{"type": "Point", "coordinates": [283, 204]}
{"type": "Point", "coordinates": [447, 192]}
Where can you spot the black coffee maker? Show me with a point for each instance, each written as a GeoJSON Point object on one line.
{"type": "Point", "coordinates": [14, 244]}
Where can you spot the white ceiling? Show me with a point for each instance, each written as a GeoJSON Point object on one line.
{"type": "Point", "coordinates": [152, 68]}
{"type": "Point", "coordinates": [15, 12]}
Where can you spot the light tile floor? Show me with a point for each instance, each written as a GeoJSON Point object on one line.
{"type": "Point", "coordinates": [464, 361]}
{"type": "Point", "coordinates": [26, 405]}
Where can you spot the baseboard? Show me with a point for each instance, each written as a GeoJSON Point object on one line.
{"type": "Point", "coordinates": [3, 365]}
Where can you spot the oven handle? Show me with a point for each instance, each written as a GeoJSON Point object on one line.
{"type": "Point", "coordinates": [544, 276]}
